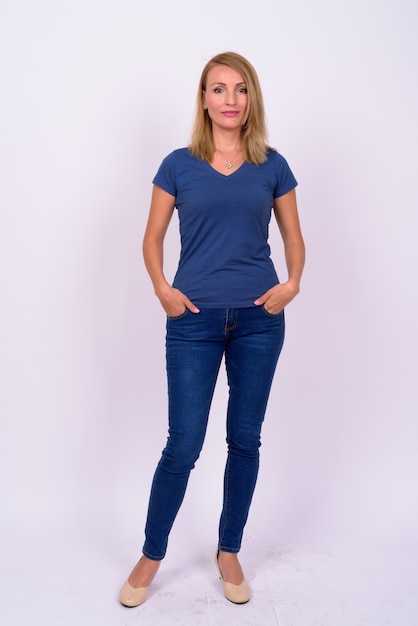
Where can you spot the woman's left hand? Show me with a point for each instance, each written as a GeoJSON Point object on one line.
{"type": "Point", "coordinates": [276, 298]}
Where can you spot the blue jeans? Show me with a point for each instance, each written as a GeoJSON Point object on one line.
{"type": "Point", "coordinates": [251, 340]}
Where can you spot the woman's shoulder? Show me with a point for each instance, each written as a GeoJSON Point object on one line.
{"type": "Point", "coordinates": [174, 169]}
{"type": "Point", "coordinates": [175, 160]}
{"type": "Point", "coordinates": [180, 162]}
{"type": "Point", "coordinates": [274, 157]}
{"type": "Point", "coordinates": [278, 169]}
{"type": "Point", "coordinates": [179, 154]}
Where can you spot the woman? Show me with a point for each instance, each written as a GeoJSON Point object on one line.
{"type": "Point", "coordinates": [225, 300]}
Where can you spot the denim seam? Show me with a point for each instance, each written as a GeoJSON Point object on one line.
{"type": "Point", "coordinates": [228, 329]}
{"type": "Point", "coordinates": [152, 556]}
{"type": "Point", "coordinates": [177, 317]}
{"type": "Point", "coordinates": [264, 310]}
{"type": "Point", "coordinates": [226, 500]}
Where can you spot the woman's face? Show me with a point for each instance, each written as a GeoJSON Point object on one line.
{"type": "Point", "coordinates": [226, 97]}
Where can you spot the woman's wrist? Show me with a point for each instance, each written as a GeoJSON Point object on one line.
{"type": "Point", "coordinates": [162, 288]}
{"type": "Point", "coordinates": [294, 286]}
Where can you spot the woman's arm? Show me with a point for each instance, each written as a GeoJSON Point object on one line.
{"type": "Point", "coordinates": [172, 300]}
{"type": "Point", "coordinates": [286, 213]}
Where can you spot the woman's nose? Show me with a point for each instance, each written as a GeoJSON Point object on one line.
{"type": "Point", "coordinates": [230, 97]}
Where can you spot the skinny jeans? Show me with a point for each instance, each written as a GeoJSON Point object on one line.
{"type": "Point", "coordinates": [250, 339]}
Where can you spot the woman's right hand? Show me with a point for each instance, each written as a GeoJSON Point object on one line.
{"type": "Point", "coordinates": [175, 302]}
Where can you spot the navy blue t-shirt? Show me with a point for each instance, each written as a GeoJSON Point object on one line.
{"type": "Point", "coordinates": [224, 223]}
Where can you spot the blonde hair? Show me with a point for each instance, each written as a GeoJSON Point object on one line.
{"type": "Point", "coordinates": [254, 131]}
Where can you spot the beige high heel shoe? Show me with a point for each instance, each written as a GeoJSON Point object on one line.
{"type": "Point", "coordinates": [238, 594]}
{"type": "Point", "coordinates": [133, 596]}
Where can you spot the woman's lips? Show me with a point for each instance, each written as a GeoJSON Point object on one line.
{"type": "Point", "coordinates": [230, 113]}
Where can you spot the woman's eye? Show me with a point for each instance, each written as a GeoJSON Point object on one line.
{"type": "Point", "coordinates": [242, 90]}
{"type": "Point", "coordinates": [218, 90]}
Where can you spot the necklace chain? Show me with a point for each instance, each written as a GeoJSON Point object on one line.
{"type": "Point", "coordinates": [228, 163]}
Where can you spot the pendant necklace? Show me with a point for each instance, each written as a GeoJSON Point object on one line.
{"type": "Point", "coordinates": [228, 164]}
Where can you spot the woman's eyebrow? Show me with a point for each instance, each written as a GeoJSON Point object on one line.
{"type": "Point", "coordinates": [224, 84]}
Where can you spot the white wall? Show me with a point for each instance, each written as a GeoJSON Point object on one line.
{"type": "Point", "coordinates": [94, 94]}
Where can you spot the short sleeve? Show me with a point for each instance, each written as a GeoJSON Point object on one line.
{"type": "Point", "coordinates": [285, 180]}
{"type": "Point", "coordinates": [166, 175]}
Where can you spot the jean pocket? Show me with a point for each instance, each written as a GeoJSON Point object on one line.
{"type": "Point", "coordinates": [178, 317]}
{"type": "Point", "coordinates": [263, 308]}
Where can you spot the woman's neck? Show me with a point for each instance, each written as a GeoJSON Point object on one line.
{"type": "Point", "coordinates": [227, 142]}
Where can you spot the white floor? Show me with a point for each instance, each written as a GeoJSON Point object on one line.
{"type": "Point", "coordinates": [52, 580]}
